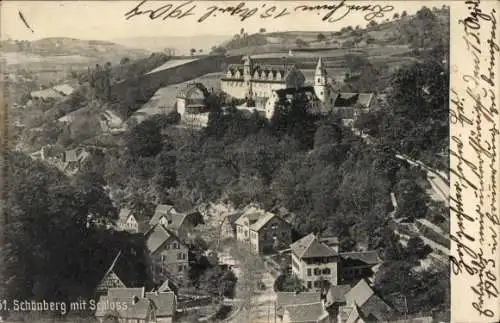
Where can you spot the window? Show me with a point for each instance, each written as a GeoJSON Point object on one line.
{"type": "Point", "coordinates": [319, 80]}
{"type": "Point", "coordinates": [179, 255]}
{"type": "Point", "coordinates": [309, 285]}
{"type": "Point", "coordinates": [317, 271]}
{"type": "Point", "coordinates": [167, 246]}
{"type": "Point", "coordinates": [317, 283]}
{"type": "Point", "coordinates": [308, 271]}
{"type": "Point", "coordinates": [181, 268]}
{"type": "Point", "coordinates": [183, 256]}
{"type": "Point", "coordinates": [174, 245]}
{"type": "Point", "coordinates": [326, 271]}
{"type": "Point", "coordinates": [163, 258]}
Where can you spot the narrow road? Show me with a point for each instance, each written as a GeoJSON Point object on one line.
{"type": "Point", "coordinates": [262, 301]}
{"type": "Point", "coordinates": [437, 179]}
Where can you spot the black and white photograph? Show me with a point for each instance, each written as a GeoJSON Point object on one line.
{"type": "Point", "coordinates": [227, 161]}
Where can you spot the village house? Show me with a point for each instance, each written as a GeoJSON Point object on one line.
{"type": "Point", "coordinates": [263, 231]}
{"type": "Point", "coordinates": [306, 313]}
{"type": "Point", "coordinates": [166, 305]}
{"type": "Point", "coordinates": [314, 262]}
{"type": "Point", "coordinates": [169, 255]}
{"type": "Point", "coordinates": [192, 106]}
{"type": "Point", "coordinates": [132, 222]}
{"type": "Point", "coordinates": [110, 279]}
{"type": "Point", "coordinates": [364, 305]}
{"type": "Point", "coordinates": [134, 305]}
{"type": "Point", "coordinates": [317, 262]}
{"type": "Point", "coordinates": [127, 305]}
{"type": "Point", "coordinates": [357, 265]}
{"type": "Point", "coordinates": [181, 223]}
{"type": "Point", "coordinates": [73, 160]}
{"type": "Point", "coordinates": [284, 299]}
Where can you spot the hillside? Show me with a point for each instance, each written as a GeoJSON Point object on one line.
{"type": "Point", "coordinates": [180, 44]}
{"type": "Point", "coordinates": [401, 30]}
{"type": "Point", "coordinates": [49, 53]}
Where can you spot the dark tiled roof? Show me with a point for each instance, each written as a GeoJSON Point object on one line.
{"type": "Point", "coordinates": [367, 257]}
{"type": "Point", "coordinates": [306, 312]}
{"type": "Point", "coordinates": [309, 247]}
{"type": "Point", "coordinates": [157, 236]}
{"type": "Point", "coordinates": [110, 279]}
{"type": "Point", "coordinates": [345, 99]}
{"type": "Point", "coordinates": [165, 303]}
{"type": "Point", "coordinates": [336, 294]}
{"type": "Point", "coordinates": [161, 210]}
{"type": "Point", "coordinates": [125, 294]}
{"type": "Point", "coordinates": [279, 72]}
{"type": "Point", "coordinates": [133, 303]}
{"type": "Point", "coordinates": [359, 294]}
{"type": "Point", "coordinates": [377, 308]}
{"type": "Point", "coordinates": [294, 91]}
{"type": "Point", "coordinates": [289, 298]}
{"type": "Point", "coordinates": [139, 310]}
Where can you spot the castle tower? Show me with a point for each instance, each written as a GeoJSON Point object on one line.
{"type": "Point", "coordinates": [321, 82]}
{"type": "Point", "coordinates": [247, 75]}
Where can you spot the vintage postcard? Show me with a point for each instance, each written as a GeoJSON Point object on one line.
{"type": "Point", "coordinates": [250, 161]}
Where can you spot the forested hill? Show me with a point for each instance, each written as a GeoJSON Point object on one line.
{"type": "Point", "coordinates": [62, 46]}
{"type": "Point", "coordinates": [400, 29]}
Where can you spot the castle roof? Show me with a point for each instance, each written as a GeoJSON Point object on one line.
{"type": "Point", "coordinates": [278, 72]}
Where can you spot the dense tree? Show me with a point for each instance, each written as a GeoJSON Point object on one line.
{"type": "Point", "coordinates": [68, 262]}
{"type": "Point", "coordinates": [321, 37]}
{"type": "Point", "coordinates": [417, 248]}
{"type": "Point", "coordinates": [144, 140]}
{"type": "Point", "coordinates": [295, 119]}
{"type": "Point", "coordinates": [219, 281]}
{"type": "Point", "coordinates": [287, 283]}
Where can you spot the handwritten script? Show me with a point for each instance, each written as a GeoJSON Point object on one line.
{"type": "Point", "coordinates": [329, 12]}
{"type": "Point", "coordinates": [474, 149]}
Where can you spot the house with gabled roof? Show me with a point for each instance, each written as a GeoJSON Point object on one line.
{"type": "Point", "coordinates": [263, 231]}
{"type": "Point", "coordinates": [110, 279]}
{"type": "Point", "coordinates": [179, 222]}
{"type": "Point", "coordinates": [127, 305]}
{"type": "Point", "coordinates": [364, 305]}
{"type": "Point", "coordinates": [169, 255]}
{"type": "Point", "coordinates": [306, 313]}
{"type": "Point", "coordinates": [314, 262]}
{"type": "Point", "coordinates": [358, 265]}
{"type": "Point", "coordinates": [131, 221]}
{"type": "Point", "coordinates": [284, 299]}
{"type": "Point", "coordinates": [166, 305]}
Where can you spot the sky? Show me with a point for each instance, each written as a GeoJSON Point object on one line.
{"type": "Point", "coordinates": [105, 20]}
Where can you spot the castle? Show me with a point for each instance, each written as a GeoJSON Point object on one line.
{"type": "Point", "coordinates": [265, 85]}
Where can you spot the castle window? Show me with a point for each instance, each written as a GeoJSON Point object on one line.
{"type": "Point", "coordinates": [319, 80]}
